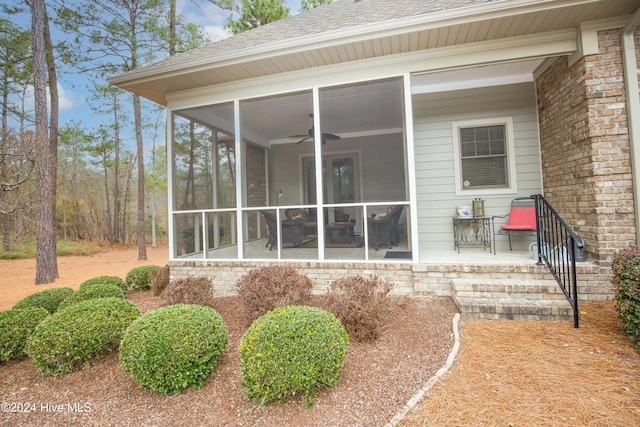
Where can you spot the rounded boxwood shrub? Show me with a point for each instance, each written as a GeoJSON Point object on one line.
{"type": "Point", "coordinates": [96, 290]}
{"type": "Point", "coordinates": [139, 278]}
{"type": "Point", "coordinates": [172, 348]}
{"type": "Point", "coordinates": [48, 299]}
{"type": "Point", "coordinates": [292, 349]}
{"type": "Point", "coordinates": [110, 280]}
{"type": "Point", "coordinates": [74, 334]}
{"type": "Point", "coordinates": [15, 328]}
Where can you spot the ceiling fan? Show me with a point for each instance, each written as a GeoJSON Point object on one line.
{"type": "Point", "coordinates": [311, 134]}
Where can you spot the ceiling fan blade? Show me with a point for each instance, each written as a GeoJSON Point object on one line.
{"type": "Point", "coordinates": [303, 139]}
{"type": "Point", "coordinates": [330, 136]}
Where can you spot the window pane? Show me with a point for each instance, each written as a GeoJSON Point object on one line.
{"type": "Point", "coordinates": [467, 135]}
{"type": "Point", "coordinates": [485, 172]}
{"type": "Point", "coordinates": [484, 161]}
{"type": "Point", "coordinates": [483, 148]}
{"type": "Point", "coordinates": [497, 133]}
{"type": "Point", "coordinates": [482, 134]}
{"type": "Point", "coordinates": [497, 147]}
{"type": "Point", "coordinates": [468, 150]}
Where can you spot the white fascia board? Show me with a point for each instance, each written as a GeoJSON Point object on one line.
{"type": "Point", "coordinates": [465, 15]}
{"type": "Point", "coordinates": [556, 43]}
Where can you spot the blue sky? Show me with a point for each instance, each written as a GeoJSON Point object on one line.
{"type": "Point", "coordinates": [73, 91]}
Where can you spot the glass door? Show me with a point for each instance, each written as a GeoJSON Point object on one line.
{"type": "Point", "coordinates": [341, 185]}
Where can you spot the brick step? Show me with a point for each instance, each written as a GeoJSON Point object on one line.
{"type": "Point", "coordinates": [514, 308]}
{"type": "Point", "coordinates": [530, 289]}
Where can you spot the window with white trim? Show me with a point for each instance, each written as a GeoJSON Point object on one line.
{"type": "Point", "coordinates": [484, 155]}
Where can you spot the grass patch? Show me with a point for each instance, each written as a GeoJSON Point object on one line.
{"type": "Point", "coordinates": [28, 250]}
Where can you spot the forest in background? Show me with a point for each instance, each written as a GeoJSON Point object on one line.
{"type": "Point", "coordinates": [108, 173]}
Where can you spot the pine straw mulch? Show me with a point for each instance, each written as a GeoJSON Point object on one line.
{"type": "Point", "coordinates": [517, 373]}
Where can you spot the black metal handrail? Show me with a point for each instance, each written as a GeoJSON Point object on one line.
{"type": "Point", "coordinates": [557, 249]}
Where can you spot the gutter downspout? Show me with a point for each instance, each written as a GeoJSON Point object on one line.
{"type": "Point", "coordinates": [632, 94]}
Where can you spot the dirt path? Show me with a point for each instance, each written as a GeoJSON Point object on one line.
{"type": "Point", "coordinates": [17, 277]}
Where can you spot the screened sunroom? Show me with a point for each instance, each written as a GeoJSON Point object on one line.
{"type": "Point", "coordinates": [321, 174]}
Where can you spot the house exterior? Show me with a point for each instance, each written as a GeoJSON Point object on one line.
{"type": "Point", "coordinates": [294, 142]}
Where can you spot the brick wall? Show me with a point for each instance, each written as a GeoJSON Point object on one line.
{"type": "Point", "coordinates": [585, 147]}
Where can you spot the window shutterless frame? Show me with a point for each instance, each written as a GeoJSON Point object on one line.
{"type": "Point", "coordinates": [484, 156]}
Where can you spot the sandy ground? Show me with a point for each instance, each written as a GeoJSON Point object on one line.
{"type": "Point", "coordinates": [17, 277]}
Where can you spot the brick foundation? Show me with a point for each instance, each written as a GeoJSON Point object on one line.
{"type": "Point", "coordinates": [421, 280]}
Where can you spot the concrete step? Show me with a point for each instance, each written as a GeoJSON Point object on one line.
{"type": "Point", "coordinates": [511, 299]}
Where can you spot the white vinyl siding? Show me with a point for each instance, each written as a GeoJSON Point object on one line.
{"type": "Point", "coordinates": [434, 115]}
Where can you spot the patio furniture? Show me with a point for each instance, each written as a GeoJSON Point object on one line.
{"type": "Point", "coordinates": [383, 228]}
{"type": "Point", "coordinates": [522, 220]}
{"type": "Point", "coordinates": [340, 232]}
{"type": "Point", "coordinates": [472, 232]}
{"type": "Point", "coordinates": [310, 225]}
{"type": "Point", "coordinates": [292, 230]}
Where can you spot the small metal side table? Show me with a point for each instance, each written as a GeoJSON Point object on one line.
{"type": "Point", "coordinates": [472, 232]}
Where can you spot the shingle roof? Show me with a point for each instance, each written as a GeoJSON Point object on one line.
{"type": "Point", "coordinates": [356, 30]}
{"type": "Point", "coordinates": [338, 15]}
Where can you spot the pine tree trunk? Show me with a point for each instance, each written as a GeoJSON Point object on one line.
{"type": "Point", "coordinates": [46, 260]}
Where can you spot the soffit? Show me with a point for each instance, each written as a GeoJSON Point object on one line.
{"type": "Point", "coordinates": [413, 34]}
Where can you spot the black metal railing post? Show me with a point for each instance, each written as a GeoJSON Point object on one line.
{"type": "Point", "coordinates": [557, 245]}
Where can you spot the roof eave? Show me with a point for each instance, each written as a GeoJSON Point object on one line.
{"type": "Point", "coordinates": [475, 13]}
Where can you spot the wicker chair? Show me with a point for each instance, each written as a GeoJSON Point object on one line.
{"type": "Point", "coordinates": [383, 228]}
{"type": "Point", "coordinates": [310, 225]}
{"type": "Point", "coordinates": [292, 230]}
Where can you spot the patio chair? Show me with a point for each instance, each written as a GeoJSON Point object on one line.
{"type": "Point", "coordinates": [521, 220]}
{"type": "Point", "coordinates": [383, 228]}
{"type": "Point", "coordinates": [310, 225]}
{"type": "Point", "coordinates": [292, 230]}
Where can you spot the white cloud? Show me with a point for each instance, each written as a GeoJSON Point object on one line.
{"type": "Point", "coordinates": [210, 17]}
{"type": "Point", "coordinates": [66, 100]}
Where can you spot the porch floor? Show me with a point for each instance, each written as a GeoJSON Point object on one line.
{"type": "Point", "coordinates": [256, 250]}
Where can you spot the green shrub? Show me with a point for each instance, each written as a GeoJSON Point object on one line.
{"type": "Point", "coordinates": [139, 278]}
{"type": "Point", "coordinates": [292, 349]}
{"type": "Point", "coordinates": [109, 280]}
{"type": "Point", "coordinates": [159, 279]}
{"type": "Point", "coordinates": [15, 328]}
{"type": "Point", "coordinates": [96, 290]}
{"type": "Point", "coordinates": [192, 290]}
{"type": "Point", "coordinates": [49, 299]}
{"type": "Point", "coordinates": [626, 281]}
{"type": "Point", "coordinates": [266, 288]}
{"type": "Point", "coordinates": [70, 337]}
{"type": "Point", "coordinates": [362, 305]}
{"type": "Point", "coordinates": [172, 348]}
